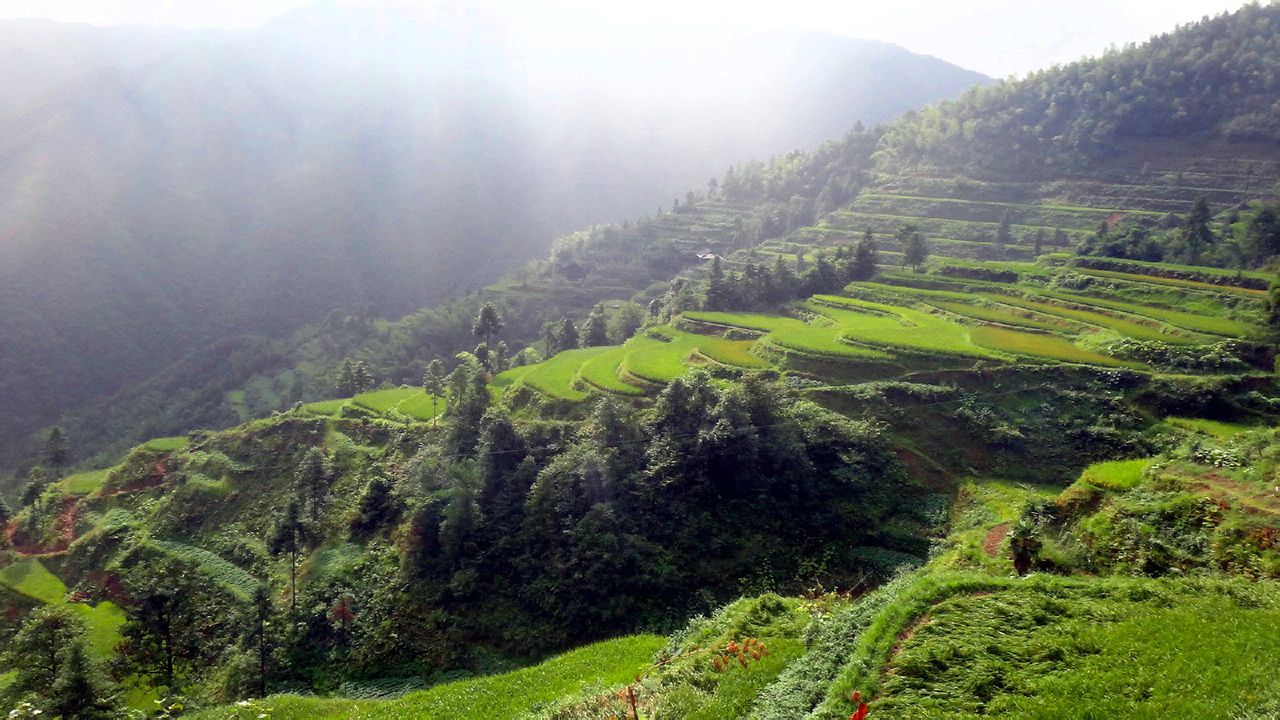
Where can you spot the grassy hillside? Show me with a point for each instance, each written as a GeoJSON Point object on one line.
{"type": "Point", "coordinates": [977, 483]}
{"type": "Point", "coordinates": [524, 693]}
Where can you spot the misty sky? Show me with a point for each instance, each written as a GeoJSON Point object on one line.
{"type": "Point", "coordinates": [996, 37]}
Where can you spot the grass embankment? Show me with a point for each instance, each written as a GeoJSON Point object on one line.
{"type": "Point", "coordinates": [656, 357]}
{"type": "Point", "coordinates": [403, 402]}
{"type": "Point", "coordinates": [523, 693]}
{"type": "Point", "coordinates": [102, 621]}
{"type": "Point", "coordinates": [1102, 649]}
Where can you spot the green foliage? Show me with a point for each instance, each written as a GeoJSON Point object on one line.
{"type": "Point", "coordinates": [524, 693]}
{"type": "Point", "coordinates": [1115, 474]}
{"type": "Point", "coordinates": [1068, 648]}
{"type": "Point", "coordinates": [1200, 78]}
{"type": "Point", "coordinates": [176, 628]}
{"type": "Point", "coordinates": [29, 577]}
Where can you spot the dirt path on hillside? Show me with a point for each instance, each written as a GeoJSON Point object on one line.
{"type": "Point", "coordinates": [991, 543]}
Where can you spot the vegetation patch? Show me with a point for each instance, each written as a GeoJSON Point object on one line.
{"type": "Point", "coordinates": [523, 693]}
{"type": "Point", "coordinates": [1066, 649]}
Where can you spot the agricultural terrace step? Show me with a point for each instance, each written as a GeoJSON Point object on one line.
{"type": "Point", "coordinates": [1039, 214]}
{"type": "Point", "coordinates": [971, 230]}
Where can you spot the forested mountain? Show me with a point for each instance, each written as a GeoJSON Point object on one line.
{"type": "Point", "coordinates": [955, 450]}
{"type": "Point", "coordinates": [1211, 80]}
{"type": "Point", "coordinates": [164, 189]}
{"type": "Point", "coordinates": [244, 377]}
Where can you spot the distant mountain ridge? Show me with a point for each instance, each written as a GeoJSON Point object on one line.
{"type": "Point", "coordinates": [162, 189]}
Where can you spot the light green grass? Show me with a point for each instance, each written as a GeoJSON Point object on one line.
{"type": "Point", "coordinates": [879, 324]}
{"type": "Point", "coordinates": [326, 408]}
{"type": "Point", "coordinates": [84, 483]}
{"type": "Point", "coordinates": [1217, 428]}
{"type": "Point", "coordinates": [223, 572]}
{"type": "Point", "coordinates": [661, 355]}
{"type": "Point", "coordinates": [1115, 474]}
{"type": "Point", "coordinates": [602, 372]}
{"type": "Point", "coordinates": [166, 444]}
{"type": "Point", "coordinates": [102, 621]}
{"type": "Point", "coordinates": [519, 694]}
{"type": "Point", "coordinates": [1040, 345]}
{"type": "Point", "coordinates": [557, 376]}
{"type": "Point", "coordinates": [1128, 328]}
{"type": "Point", "coordinates": [384, 401]}
{"type": "Point", "coordinates": [1188, 321]}
{"type": "Point", "coordinates": [1173, 282]}
{"type": "Point", "coordinates": [995, 315]}
{"type": "Point", "coordinates": [419, 406]}
{"type": "Point", "coordinates": [656, 356]}
{"type": "Point", "coordinates": [29, 577]}
{"type": "Point", "coordinates": [1053, 649]}
{"type": "Point", "coordinates": [792, 334]}
{"type": "Point", "coordinates": [102, 624]}
{"type": "Point", "coordinates": [414, 403]}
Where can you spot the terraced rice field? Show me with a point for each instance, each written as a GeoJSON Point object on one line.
{"type": "Point", "coordinates": [414, 403]}
{"type": "Point", "coordinates": [991, 301]}
{"type": "Point", "coordinates": [29, 577]}
{"type": "Point", "coordinates": [652, 358]}
{"type": "Point", "coordinates": [790, 333]}
{"type": "Point", "coordinates": [84, 483]}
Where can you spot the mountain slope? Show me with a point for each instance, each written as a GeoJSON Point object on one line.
{"type": "Point", "coordinates": [167, 189]}
{"type": "Point", "coordinates": [802, 413]}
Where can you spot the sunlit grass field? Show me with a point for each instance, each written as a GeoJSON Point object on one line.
{"type": "Point", "coordinates": [1115, 474]}
{"type": "Point", "coordinates": [102, 621]}
{"type": "Point", "coordinates": [597, 668]}
{"type": "Point", "coordinates": [1058, 649]}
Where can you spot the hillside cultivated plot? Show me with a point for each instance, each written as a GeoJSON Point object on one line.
{"type": "Point", "coordinates": [83, 483]}
{"type": "Point", "coordinates": [224, 573]}
{"type": "Point", "coordinates": [879, 324]}
{"type": "Point", "coordinates": [1220, 429]}
{"type": "Point", "coordinates": [1188, 321]}
{"type": "Point", "coordinates": [29, 577]}
{"type": "Point", "coordinates": [556, 376]}
{"type": "Point", "coordinates": [792, 334]}
{"type": "Point", "coordinates": [523, 693]}
{"type": "Point", "coordinates": [661, 356]}
{"type": "Point", "coordinates": [1127, 328]}
{"type": "Point", "coordinates": [1115, 474]}
{"type": "Point", "coordinates": [1066, 650]}
{"type": "Point", "coordinates": [1174, 282]}
{"type": "Point", "coordinates": [414, 403]}
{"type": "Point", "coordinates": [602, 372]}
{"type": "Point", "coordinates": [102, 621]}
{"type": "Point", "coordinates": [1002, 315]}
{"type": "Point", "coordinates": [166, 444]}
{"type": "Point", "coordinates": [656, 356]}
{"type": "Point", "coordinates": [1040, 345]}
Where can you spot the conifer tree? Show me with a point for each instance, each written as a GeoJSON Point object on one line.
{"type": "Point", "coordinates": [288, 539]}
{"type": "Point", "coordinates": [914, 248]}
{"type": "Point", "coordinates": [1197, 233]}
{"type": "Point", "coordinates": [568, 335]}
{"type": "Point", "coordinates": [312, 478]}
{"type": "Point", "coordinates": [433, 383]}
{"type": "Point", "coordinates": [82, 691]}
{"type": "Point", "coordinates": [596, 329]}
{"type": "Point", "coordinates": [56, 451]}
{"type": "Point", "coordinates": [1004, 233]}
{"type": "Point", "coordinates": [864, 258]}
{"type": "Point", "coordinates": [487, 323]}
{"type": "Point", "coordinates": [258, 638]}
